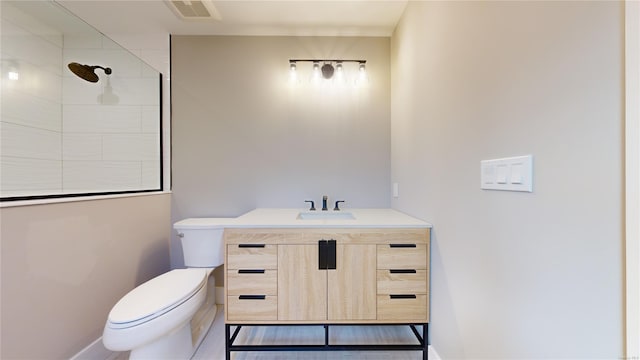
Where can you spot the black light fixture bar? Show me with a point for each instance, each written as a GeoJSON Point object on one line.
{"type": "Point", "coordinates": [327, 60]}
{"type": "Point", "coordinates": [327, 69]}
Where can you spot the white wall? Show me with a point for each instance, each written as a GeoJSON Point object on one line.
{"type": "Point", "coordinates": [244, 137]}
{"type": "Point", "coordinates": [515, 275]}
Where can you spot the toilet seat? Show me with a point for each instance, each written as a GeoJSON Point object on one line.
{"type": "Point", "coordinates": [156, 297]}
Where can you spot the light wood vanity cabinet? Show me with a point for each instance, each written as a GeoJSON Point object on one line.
{"type": "Point", "coordinates": [275, 276]}
{"type": "Point", "coordinates": [252, 282]}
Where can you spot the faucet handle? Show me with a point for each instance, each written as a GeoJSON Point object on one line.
{"type": "Point", "coordinates": [337, 208]}
{"type": "Point", "coordinates": [313, 206]}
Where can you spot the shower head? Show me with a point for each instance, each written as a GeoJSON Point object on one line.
{"type": "Point", "coordinates": [87, 72]}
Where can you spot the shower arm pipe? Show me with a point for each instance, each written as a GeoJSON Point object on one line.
{"type": "Point", "coordinates": [107, 70]}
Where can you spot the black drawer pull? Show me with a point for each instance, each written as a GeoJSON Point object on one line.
{"type": "Point", "coordinates": [252, 297]}
{"type": "Point", "coordinates": [402, 296]}
{"type": "Point", "coordinates": [402, 271]}
{"type": "Point", "coordinates": [402, 245]}
{"type": "Point", "coordinates": [251, 271]}
{"type": "Point", "coordinates": [251, 245]}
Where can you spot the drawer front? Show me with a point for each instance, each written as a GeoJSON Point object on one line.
{"type": "Point", "coordinates": [402, 256]}
{"type": "Point", "coordinates": [252, 282]}
{"type": "Point", "coordinates": [412, 309]}
{"type": "Point", "coordinates": [252, 309]}
{"type": "Point", "coordinates": [252, 256]}
{"type": "Point", "coordinates": [401, 282]}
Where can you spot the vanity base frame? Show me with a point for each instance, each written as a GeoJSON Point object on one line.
{"type": "Point", "coordinates": [423, 340]}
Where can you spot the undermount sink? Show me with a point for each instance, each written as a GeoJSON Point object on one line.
{"type": "Point", "coordinates": [325, 215]}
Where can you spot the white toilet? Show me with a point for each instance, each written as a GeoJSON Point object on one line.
{"type": "Point", "coordinates": [168, 316]}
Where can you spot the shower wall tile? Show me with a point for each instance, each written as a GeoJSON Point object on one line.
{"type": "Point", "coordinates": [100, 119]}
{"type": "Point", "coordinates": [81, 147]}
{"type": "Point", "coordinates": [22, 108]}
{"type": "Point", "coordinates": [16, 17]}
{"type": "Point", "coordinates": [82, 41]}
{"type": "Point", "coordinates": [22, 45]}
{"type": "Point", "coordinates": [108, 43]}
{"type": "Point", "coordinates": [150, 119]}
{"type": "Point", "coordinates": [150, 171]}
{"type": "Point", "coordinates": [141, 91]}
{"type": "Point", "coordinates": [30, 175]}
{"type": "Point", "coordinates": [33, 81]}
{"type": "Point", "coordinates": [87, 176]}
{"type": "Point", "coordinates": [135, 147]}
{"type": "Point", "coordinates": [28, 142]}
{"type": "Point", "coordinates": [79, 92]}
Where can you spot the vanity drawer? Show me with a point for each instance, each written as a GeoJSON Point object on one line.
{"type": "Point", "coordinates": [402, 256]}
{"type": "Point", "coordinates": [252, 307]}
{"type": "Point", "coordinates": [252, 281]}
{"type": "Point", "coordinates": [255, 256]}
{"type": "Point", "coordinates": [402, 281]}
{"type": "Point", "coordinates": [412, 307]}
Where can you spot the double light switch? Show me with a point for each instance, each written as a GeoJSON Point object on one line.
{"type": "Point", "coordinates": [510, 174]}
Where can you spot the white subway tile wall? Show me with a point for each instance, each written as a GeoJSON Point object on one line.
{"type": "Point", "coordinates": [61, 134]}
{"type": "Point", "coordinates": [31, 123]}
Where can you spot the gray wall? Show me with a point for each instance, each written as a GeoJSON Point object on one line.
{"type": "Point", "coordinates": [65, 265]}
{"type": "Point", "coordinates": [515, 275]}
{"type": "Point", "coordinates": [244, 137]}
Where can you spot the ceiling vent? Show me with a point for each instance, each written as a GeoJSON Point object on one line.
{"type": "Point", "coordinates": [195, 9]}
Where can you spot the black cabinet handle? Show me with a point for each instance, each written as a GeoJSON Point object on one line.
{"type": "Point", "coordinates": [251, 245]}
{"type": "Point", "coordinates": [402, 296]}
{"type": "Point", "coordinates": [322, 254]}
{"type": "Point", "coordinates": [331, 255]}
{"type": "Point", "coordinates": [252, 297]}
{"type": "Point", "coordinates": [402, 245]}
{"type": "Point", "coordinates": [251, 271]}
{"type": "Point", "coordinates": [402, 271]}
{"type": "Point", "coordinates": [326, 254]}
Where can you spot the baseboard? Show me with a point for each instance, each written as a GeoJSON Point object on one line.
{"type": "Point", "coordinates": [433, 354]}
{"type": "Point", "coordinates": [95, 351]}
{"type": "Point", "coordinates": [220, 295]}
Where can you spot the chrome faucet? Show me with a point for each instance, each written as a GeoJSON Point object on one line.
{"type": "Point", "coordinates": [324, 203]}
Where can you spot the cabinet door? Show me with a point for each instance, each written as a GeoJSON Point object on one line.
{"type": "Point", "coordinates": [302, 287]}
{"type": "Point", "coordinates": [352, 285]}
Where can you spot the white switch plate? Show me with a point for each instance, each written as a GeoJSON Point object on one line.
{"type": "Point", "coordinates": [395, 190]}
{"type": "Point", "coordinates": [509, 174]}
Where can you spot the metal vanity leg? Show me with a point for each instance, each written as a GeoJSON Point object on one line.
{"type": "Point", "coordinates": [425, 338]}
{"type": "Point", "coordinates": [326, 335]}
{"type": "Point", "coordinates": [227, 340]}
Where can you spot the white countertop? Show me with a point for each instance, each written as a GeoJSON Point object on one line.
{"type": "Point", "coordinates": [288, 218]}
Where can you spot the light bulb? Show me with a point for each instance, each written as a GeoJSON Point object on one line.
{"type": "Point", "coordinates": [293, 72]}
{"type": "Point", "coordinates": [363, 79]}
{"type": "Point", "coordinates": [339, 77]}
{"type": "Point", "coordinates": [316, 74]}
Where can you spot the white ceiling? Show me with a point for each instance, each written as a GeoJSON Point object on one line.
{"type": "Point", "coordinates": [240, 17]}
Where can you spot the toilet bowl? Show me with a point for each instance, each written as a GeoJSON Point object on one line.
{"type": "Point", "coordinates": [168, 316]}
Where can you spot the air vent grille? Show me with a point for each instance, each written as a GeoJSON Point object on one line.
{"type": "Point", "coordinates": [195, 9]}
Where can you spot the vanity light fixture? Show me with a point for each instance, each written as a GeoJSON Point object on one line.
{"type": "Point", "coordinates": [328, 69]}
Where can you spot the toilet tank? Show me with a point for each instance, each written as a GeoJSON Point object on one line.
{"type": "Point", "coordinates": [202, 242]}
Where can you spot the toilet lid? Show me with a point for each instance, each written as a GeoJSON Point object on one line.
{"type": "Point", "coordinates": [158, 295]}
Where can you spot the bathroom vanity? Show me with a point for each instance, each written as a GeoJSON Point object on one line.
{"type": "Point", "coordinates": [355, 267]}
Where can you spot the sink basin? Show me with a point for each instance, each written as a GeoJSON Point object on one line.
{"type": "Point", "coordinates": [325, 215]}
